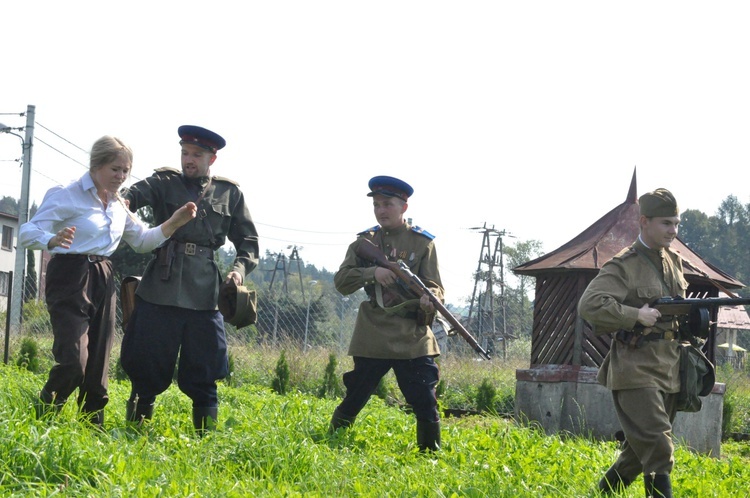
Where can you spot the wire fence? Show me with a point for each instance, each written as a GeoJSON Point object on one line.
{"type": "Point", "coordinates": [323, 320]}
{"type": "Point", "coordinates": [316, 320]}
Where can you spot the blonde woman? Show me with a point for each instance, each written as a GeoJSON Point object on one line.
{"type": "Point", "coordinates": [81, 225]}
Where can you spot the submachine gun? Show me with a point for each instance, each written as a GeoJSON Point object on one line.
{"type": "Point", "coordinates": [370, 252]}
{"type": "Point", "coordinates": [695, 313]}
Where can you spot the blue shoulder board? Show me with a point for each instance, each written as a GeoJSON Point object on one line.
{"type": "Point", "coordinates": [370, 230]}
{"type": "Point", "coordinates": [422, 231]}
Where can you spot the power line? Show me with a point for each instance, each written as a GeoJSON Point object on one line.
{"type": "Point", "coordinates": [60, 152]}
{"type": "Point", "coordinates": [307, 231]}
{"type": "Point", "coordinates": [300, 243]}
{"type": "Point", "coordinates": [63, 138]}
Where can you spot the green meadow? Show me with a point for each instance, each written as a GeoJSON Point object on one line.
{"type": "Point", "coordinates": [271, 444]}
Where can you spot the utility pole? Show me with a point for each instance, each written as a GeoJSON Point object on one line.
{"type": "Point", "coordinates": [23, 217]}
{"type": "Point", "coordinates": [281, 260]}
{"type": "Point", "coordinates": [486, 303]}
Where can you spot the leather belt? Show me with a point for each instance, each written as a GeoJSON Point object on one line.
{"type": "Point", "coordinates": [636, 339]}
{"type": "Point", "coordinates": [92, 258]}
{"type": "Point", "coordinates": [191, 249]}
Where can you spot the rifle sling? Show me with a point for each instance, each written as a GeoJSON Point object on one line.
{"type": "Point", "coordinates": [395, 310]}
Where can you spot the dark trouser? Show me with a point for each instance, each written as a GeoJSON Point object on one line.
{"type": "Point", "coordinates": [646, 417]}
{"type": "Point", "coordinates": [154, 338]}
{"type": "Point", "coordinates": [416, 378]}
{"type": "Point", "coordinates": [81, 301]}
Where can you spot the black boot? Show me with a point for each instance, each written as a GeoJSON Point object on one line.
{"type": "Point", "coordinates": [339, 420]}
{"type": "Point", "coordinates": [612, 482]}
{"type": "Point", "coordinates": [204, 418]}
{"type": "Point", "coordinates": [428, 435]}
{"type": "Point", "coordinates": [138, 412]}
{"type": "Point", "coordinates": [658, 485]}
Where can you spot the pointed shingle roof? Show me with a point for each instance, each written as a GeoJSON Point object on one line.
{"type": "Point", "coordinates": [609, 235]}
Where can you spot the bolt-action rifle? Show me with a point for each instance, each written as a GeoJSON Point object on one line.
{"type": "Point", "coordinates": [370, 252]}
{"type": "Point", "coordinates": [695, 311]}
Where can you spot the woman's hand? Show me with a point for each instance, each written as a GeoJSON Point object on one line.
{"type": "Point", "coordinates": [179, 218]}
{"type": "Point", "coordinates": [63, 238]}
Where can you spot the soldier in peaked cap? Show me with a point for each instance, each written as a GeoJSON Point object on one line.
{"type": "Point", "coordinates": [392, 330]}
{"type": "Point", "coordinates": [176, 305]}
{"type": "Point", "coordinates": [201, 137]}
{"type": "Point", "coordinates": [642, 366]}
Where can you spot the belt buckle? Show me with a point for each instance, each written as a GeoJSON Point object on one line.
{"type": "Point", "coordinates": [190, 248]}
{"type": "Point", "coordinates": [92, 258]}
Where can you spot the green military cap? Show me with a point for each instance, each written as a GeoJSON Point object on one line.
{"type": "Point", "coordinates": [238, 304]}
{"type": "Point", "coordinates": [659, 203]}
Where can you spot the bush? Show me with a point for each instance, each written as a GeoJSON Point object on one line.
{"type": "Point", "coordinates": [486, 397]}
{"type": "Point", "coordinates": [331, 385]}
{"type": "Point", "coordinates": [280, 383]}
{"type": "Point", "coordinates": [28, 356]}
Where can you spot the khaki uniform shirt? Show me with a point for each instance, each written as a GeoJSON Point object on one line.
{"type": "Point", "coordinates": [222, 213]}
{"type": "Point", "coordinates": [377, 333]}
{"type": "Point", "coordinates": [634, 277]}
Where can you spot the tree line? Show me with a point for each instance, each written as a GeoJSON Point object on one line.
{"type": "Point", "coordinates": [722, 239]}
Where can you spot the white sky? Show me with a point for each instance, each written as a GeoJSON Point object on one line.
{"type": "Point", "coordinates": [527, 116]}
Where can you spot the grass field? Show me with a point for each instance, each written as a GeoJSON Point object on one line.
{"type": "Point", "coordinates": [268, 444]}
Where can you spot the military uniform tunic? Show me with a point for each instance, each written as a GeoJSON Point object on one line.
{"type": "Point", "coordinates": [644, 380]}
{"type": "Point", "coordinates": [194, 280]}
{"type": "Point", "coordinates": [383, 333]}
{"type": "Point", "coordinates": [634, 277]}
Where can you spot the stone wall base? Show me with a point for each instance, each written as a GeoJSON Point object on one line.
{"type": "Point", "coordinates": [566, 398]}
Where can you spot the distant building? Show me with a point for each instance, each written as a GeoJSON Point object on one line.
{"type": "Point", "coordinates": [732, 333]}
{"type": "Point", "coordinates": [9, 224]}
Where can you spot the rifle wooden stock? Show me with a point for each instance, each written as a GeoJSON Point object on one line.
{"type": "Point", "coordinates": [370, 252]}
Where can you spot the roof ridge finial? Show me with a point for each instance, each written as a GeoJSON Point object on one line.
{"type": "Point", "coordinates": [633, 191]}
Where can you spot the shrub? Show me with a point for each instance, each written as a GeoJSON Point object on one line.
{"type": "Point", "coordinates": [280, 383]}
{"type": "Point", "coordinates": [486, 397]}
{"type": "Point", "coordinates": [331, 385]}
{"type": "Point", "coordinates": [28, 356]}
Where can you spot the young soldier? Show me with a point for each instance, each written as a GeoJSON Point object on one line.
{"type": "Point", "coordinates": [642, 366]}
{"type": "Point", "coordinates": [393, 327]}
